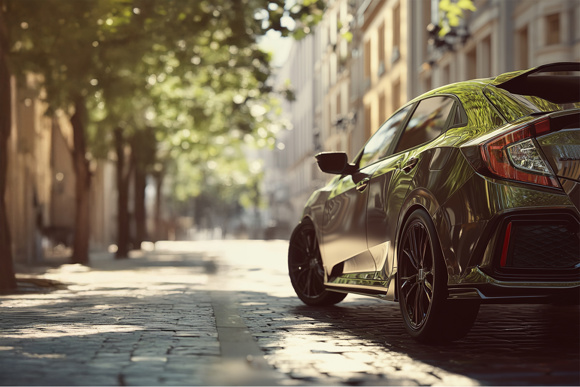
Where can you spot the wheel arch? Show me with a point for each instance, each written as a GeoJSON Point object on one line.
{"type": "Point", "coordinates": [419, 198]}
{"type": "Point", "coordinates": [305, 267]}
{"type": "Point", "coordinates": [304, 221]}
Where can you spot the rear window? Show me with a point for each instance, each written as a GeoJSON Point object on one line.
{"type": "Point", "coordinates": [541, 93]}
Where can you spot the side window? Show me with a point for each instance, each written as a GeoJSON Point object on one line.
{"type": "Point", "coordinates": [380, 143]}
{"type": "Point", "coordinates": [459, 117]}
{"type": "Point", "coordinates": [426, 123]}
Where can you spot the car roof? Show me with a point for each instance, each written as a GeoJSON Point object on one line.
{"type": "Point", "coordinates": [458, 88]}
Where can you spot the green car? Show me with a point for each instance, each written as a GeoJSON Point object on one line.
{"type": "Point", "coordinates": [468, 194]}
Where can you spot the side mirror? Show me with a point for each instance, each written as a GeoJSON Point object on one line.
{"type": "Point", "coordinates": [335, 163]}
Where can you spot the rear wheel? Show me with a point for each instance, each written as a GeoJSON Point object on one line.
{"type": "Point", "coordinates": [422, 284]}
{"type": "Point", "coordinates": [306, 270]}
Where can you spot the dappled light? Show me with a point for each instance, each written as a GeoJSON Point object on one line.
{"type": "Point", "coordinates": [43, 331]}
{"type": "Point", "coordinates": [289, 192]}
{"type": "Point", "coordinates": [161, 318]}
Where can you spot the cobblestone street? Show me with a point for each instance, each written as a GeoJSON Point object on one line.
{"type": "Point", "coordinates": [224, 313]}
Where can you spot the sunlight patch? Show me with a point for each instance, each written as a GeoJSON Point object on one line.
{"type": "Point", "coordinates": [44, 355]}
{"type": "Point", "coordinates": [46, 331]}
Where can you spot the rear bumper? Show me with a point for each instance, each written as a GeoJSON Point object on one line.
{"type": "Point", "coordinates": [484, 288]}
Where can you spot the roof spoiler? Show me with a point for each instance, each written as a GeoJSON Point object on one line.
{"type": "Point", "coordinates": [556, 88]}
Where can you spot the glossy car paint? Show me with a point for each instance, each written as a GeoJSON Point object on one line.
{"type": "Point", "coordinates": [343, 221]}
{"type": "Point", "coordinates": [358, 217]}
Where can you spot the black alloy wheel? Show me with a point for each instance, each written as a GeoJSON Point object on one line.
{"type": "Point", "coordinates": [306, 270]}
{"type": "Point", "coordinates": [422, 285]}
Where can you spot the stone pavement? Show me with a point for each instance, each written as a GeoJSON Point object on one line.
{"type": "Point", "coordinates": [223, 313]}
{"type": "Point", "coordinates": [153, 319]}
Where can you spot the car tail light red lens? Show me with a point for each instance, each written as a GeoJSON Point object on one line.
{"type": "Point", "coordinates": [516, 156]}
{"type": "Point", "coordinates": [506, 245]}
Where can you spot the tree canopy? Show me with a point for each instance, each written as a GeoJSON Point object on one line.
{"type": "Point", "coordinates": [178, 85]}
{"type": "Point", "coordinates": [190, 69]}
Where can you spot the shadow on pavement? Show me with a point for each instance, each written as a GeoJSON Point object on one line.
{"type": "Point", "coordinates": [160, 329]}
{"type": "Point", "coordinates": [508, 345]}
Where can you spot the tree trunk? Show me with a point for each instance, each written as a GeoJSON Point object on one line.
{"type": "Point", "coordinates": [143, 156]}
{"type": "Point", "coordinates": [140, 214]}
{"type": "Point", "coordinates": [82, 185]}
{"type": "Point", "coordinates": [160, 232]}
{"type": "Point", "coordinates": [7, 277]}
{"type": "Point", "coordinates": [123, 175]}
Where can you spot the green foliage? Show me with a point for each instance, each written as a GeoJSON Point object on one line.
{"type": "Point", "coordinates": [187, 74]}
{"type": "Point", "coordinates": [347, 36]}
{"type": "Point", "coordinates": [288, 91]}
{"type": "Point", "coordinates": [451, 12]}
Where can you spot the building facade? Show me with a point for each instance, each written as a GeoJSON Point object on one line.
{"type": "Point", "coordinates": [290, 171]}
{"type": "Point", "coordinates": [500, 36]}
{"type": "Point", "coordinates": [372, 56]}
{"type": "Point", "coordinates": [29, 173]}
{"type": "Point", "coordinates": [40, 181]}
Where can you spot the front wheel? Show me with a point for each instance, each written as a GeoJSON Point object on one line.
{"type": "Point", "coordinates": [306, 270]}
{"type": "Point", "coordinates": [422, 284]}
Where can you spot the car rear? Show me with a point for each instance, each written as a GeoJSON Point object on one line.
{"type": "Point", "coordinates": [530, 247]}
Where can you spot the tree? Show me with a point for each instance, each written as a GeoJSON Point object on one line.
{"type": "Point", "coordinates": [213, 72]}
{"type": "Point", "coordinates": [143, 153]}
{"type": "Point", "coordinates": [7, 278]}
{"type": "Point", "coordinates": [115, 52]}
{"type": "Point", "coordinates": [451, 13]}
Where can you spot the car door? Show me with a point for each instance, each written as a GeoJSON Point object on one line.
{"type": "Point", "coordinates": [393, 176]}
{"type": "Point", "coordinates": [344, 224]}
{"type": "Point", "coordinates": [344, 228]}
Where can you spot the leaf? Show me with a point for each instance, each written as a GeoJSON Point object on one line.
{"type": "Point", "coordinates": [467, 5]}
{"type": "Point", "coordinates": [347, 36]}
{"type": "Point", "coordinates": [451, 13]}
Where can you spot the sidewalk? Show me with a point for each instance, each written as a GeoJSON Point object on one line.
{"type": "Point", "coordinates": [212, 313]}
{"type": "Point", "coordinates": [158, 318]}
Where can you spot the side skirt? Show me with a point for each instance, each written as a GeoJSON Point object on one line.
{"type": "Point", "coordinates": [362, 283]}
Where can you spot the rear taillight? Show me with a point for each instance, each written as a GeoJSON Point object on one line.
{"type": "Point", "coordinates": [506, 245]}
{"type": "Point", "coordinates": [516, 156]}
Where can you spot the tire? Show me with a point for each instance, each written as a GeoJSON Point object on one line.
{"type": "Point", "coordinates": [422, 286]}
{"type": "Point", "coordinates": [306, 270]}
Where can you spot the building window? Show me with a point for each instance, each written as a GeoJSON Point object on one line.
{"type": "Point", "coordinates": [485, 57]}
{"type": "Point", "coordinates": [553, 29]}
{"type": "Point", "coordinates": [396, 95]}
{"type": "Point", "coordinates": [427, 84]}
{"type": "Point", "coordinates": [426, 22]}
{"type": "Point", "coordinates": [367, 123]}
{"type": "Point", "coordinates": [446, 75]}
{"type": "Point", "coordinates": [522, 51]}
{"type": "Point", "coordinates": [382, 49]}
{"type": "Point", "coordinates": [332, 114]}
{"type": "Point", "coordinates": [471, 64]}
{"type": "Point", "coordinates": [382, 108]}
{"type": "Point", "coordinates": [397, 26]}
{"type": "Point", "coordinates": [367, 59]}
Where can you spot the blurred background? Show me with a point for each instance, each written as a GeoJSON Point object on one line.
{"type": "Point", "coordinates": [124, 122]}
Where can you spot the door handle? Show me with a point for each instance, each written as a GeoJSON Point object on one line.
{"type": "Point", "coordinates": [363, 184]}
{"type": "Point", "coordinates": [410, 164]}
